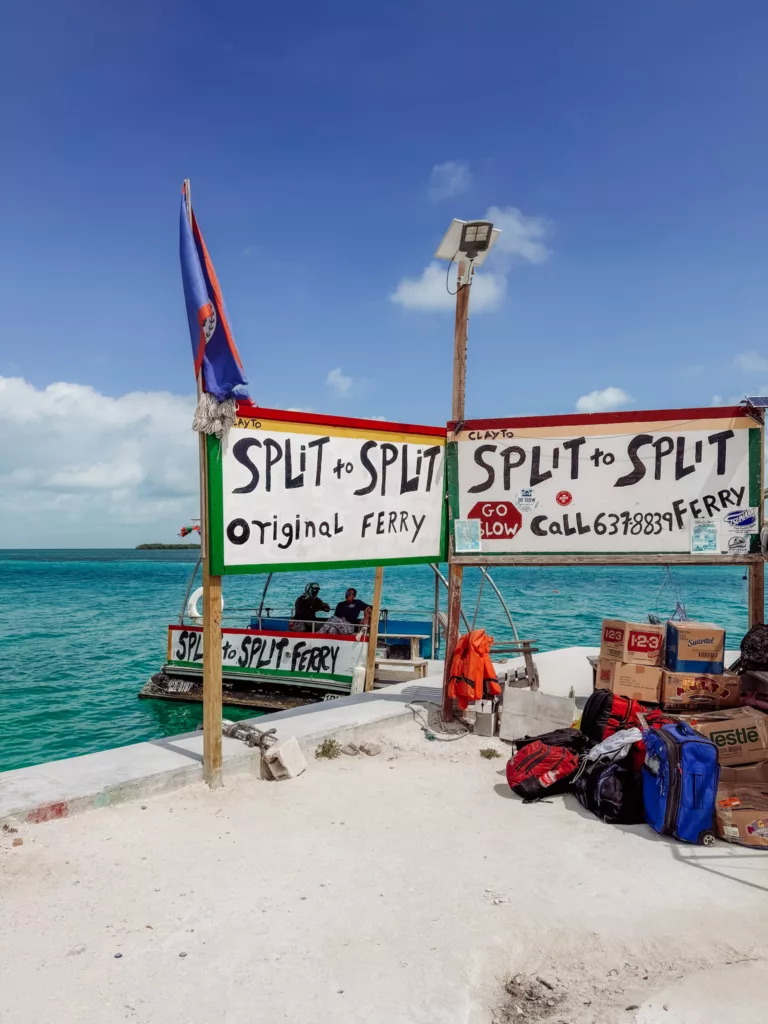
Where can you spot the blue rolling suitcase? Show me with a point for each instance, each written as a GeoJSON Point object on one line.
{"type": "Point", "coordinates": [680, 783]}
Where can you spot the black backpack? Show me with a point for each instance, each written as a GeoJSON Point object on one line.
{"type": "Point", "coordinates": [754, 651]}
{"type": "Point", "coordinates": [611, 789]}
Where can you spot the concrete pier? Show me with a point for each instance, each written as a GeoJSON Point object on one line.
{"type": "Point", "coordinates": [59, 789]}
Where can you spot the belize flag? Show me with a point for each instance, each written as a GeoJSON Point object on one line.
{"type": "Point", "coordinates": [213, 347]}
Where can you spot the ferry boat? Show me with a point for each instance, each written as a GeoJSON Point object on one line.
{"type": "Point", "coordinates": [272, 662]}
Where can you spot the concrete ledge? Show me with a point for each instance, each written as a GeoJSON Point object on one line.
{"type": "Point", "coordinates": [59, 789]}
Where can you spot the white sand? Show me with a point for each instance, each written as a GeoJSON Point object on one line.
{"type": "Point", "coordinates": [359, 893]}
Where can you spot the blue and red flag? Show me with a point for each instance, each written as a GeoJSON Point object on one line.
{"type": "Point", "coordinates": [213, 347]}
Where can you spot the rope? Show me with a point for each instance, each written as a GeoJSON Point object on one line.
{"type": "Point", "coordinates": [249, 734]}
{"type": "Point", "coordinates": [212, 417]}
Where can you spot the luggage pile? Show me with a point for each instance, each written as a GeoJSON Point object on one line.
{"type": "Point", "coordinates": [668, 737]}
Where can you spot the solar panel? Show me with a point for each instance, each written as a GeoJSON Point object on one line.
{"type": "Point", "coordinates": [758, 401]}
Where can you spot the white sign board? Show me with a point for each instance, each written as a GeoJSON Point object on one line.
{"type": "Point", "coordinates": [299, 491]}
{"type": "Point", "coordinates": [610, 483]}
{"type": "Point", "coordinates": [265, 653]}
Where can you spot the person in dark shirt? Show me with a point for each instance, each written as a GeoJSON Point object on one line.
{"type": "Point", "coordinates": [350, 608]}
{"type": "Point", "coordinates": [306, 608]}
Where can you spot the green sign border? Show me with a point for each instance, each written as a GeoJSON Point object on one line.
{"type": "Point", "coordinates": [215, 530]}
{"type": "Point", "coordinates": [755, 449]}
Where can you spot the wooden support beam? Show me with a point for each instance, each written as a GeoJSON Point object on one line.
{"type": "Point", "coordinates": [373, 633]}
{"type": "Point", "coordinates": [455, 572]}
{"type": "Point", "coordinates": [212, 692]}
{"type": "Point", "coordinates": [212, 686]}
{"type": "Point", "coordinates": [455, 580]}
{"type": "Point", "coordinates": [618, 559]}
{"type": "Point", "coordinates": [756, 593]}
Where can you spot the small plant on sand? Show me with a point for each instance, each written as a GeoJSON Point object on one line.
{"type": "Point", "coordinates": [490, 752]}
{"type": "Point", "coordinates": [328, 749]}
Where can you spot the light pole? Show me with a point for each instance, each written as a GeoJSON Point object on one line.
{"type": "Point", "coordinates": [467, 243]}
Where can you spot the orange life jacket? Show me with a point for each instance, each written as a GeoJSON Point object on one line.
{"type": "Point", "coordinates": [472, 673]}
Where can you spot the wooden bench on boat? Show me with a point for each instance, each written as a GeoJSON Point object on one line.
{"type": "Point", "coordinates": [396, 670]}
{"type": "Point", "coordinates": [415, 639]}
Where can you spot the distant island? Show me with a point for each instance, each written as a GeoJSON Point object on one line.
{"type": "Point", "coordinates": [167, 547]}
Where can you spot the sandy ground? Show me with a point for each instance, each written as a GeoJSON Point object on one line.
{"type": "Point", "coordinates": [409, 887]}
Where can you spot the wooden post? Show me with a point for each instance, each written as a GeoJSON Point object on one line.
{"type": "Point", "coordinates": [211, 678]}
{"type": "Point", "coordinates": [373, 629]}
{"type": "Point", "coordinates": [211, 640]}
{"type": "Point", "coordinates": [756, 570]}
{"type": "Point", "coordinates": [456, 572]}
{"type": "Point", "coordinates": [756, 593]}
{"type": "Point", "coordinates": [211, 618]}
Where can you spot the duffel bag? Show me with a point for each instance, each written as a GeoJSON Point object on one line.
{"type": "Point", "coordinates": [539, 770]}
{"type": "Point", "coordinates": [754, 651]}
{"type": "Point", "coordinates": [606, 713]}
{"type": "Point", "coordinates": [571, 739]}
{"type": "Point", "coordinates": [608, 783]}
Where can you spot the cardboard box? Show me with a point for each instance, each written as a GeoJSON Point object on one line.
{"type": "Point", "coordinates": [695, 647]}
{"type": "Point", "coordinates": [740, 734]}
{"type": "Point", "coordinates": [741, 813]}
{"type": "Point", "coordinates": [627, 642]}
{"type": "Point", "coordinates": [697, 691]}
{"type": "Point", "coordinates": [745, 775]}
{"type": "Point", "coordinates": [640, 682]}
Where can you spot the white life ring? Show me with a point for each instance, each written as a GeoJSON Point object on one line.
{"type": "Point", "coordinates": [193, 612]}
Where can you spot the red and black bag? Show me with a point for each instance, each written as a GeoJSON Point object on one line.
{"type": "Point", "coordinates": [539, 770]}
{"type": "Point", "coordinates": [606, 713]}
{"type": "Point", "coordinates": [571, 739]}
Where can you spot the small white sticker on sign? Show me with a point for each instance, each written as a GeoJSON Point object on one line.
{"type": "Point", "coordinates": [467, 535]}
{"type": "Point", "coordinates": [704, 538]}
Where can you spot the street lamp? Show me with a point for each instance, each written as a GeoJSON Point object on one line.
{"type": "Point", "coordinates": [468, 242]}
{"type": "Point", "coordinates": [472, 239]}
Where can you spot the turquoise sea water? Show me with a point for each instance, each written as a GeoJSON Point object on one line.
{"type": "Point", "coordinates": [81, 631]}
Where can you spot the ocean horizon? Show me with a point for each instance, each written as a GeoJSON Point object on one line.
{"type": "Point", "coordinates": [81, 629]}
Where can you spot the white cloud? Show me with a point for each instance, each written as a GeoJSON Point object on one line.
{"type": "Point", "coordinates": [340, 384]}
{"type": "Point", "coordinates": [607, 400]}
{"type": "Point", "coordinates": [448, 179]}
{"type": "Point", "coordinates": [521, 236]}
{"type": "Point", "coordinates": [81, 468]}
{"type": "Point", "coordinates": [751, 361]}
{"type": "Point", "coordinates": [730, 400]}
{"type": "Point", "coordinates": [429, 292]}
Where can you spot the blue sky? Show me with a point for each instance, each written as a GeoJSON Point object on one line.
{"type": "Point", "coordinates": [623, 145]}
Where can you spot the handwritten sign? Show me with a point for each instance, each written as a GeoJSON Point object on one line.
{"type": "Point", "coordinates": [264, 653]}
{"type": "Point", "coordinates": [295, 490]}
{"type": "Point", "coordinates": [616, 482]}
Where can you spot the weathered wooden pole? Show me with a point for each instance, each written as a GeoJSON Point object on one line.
{"type": "Point", "coordinates": [373, 629]}
{"type": "Point", "coordinates": [456, 572]}
{"type": "Point", "coordinates": [211, 616]}
{"type": "Point", "coordinates": [756, 570]}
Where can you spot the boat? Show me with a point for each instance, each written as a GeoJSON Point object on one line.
{"type": "Point", "coordinates": [270, 662]}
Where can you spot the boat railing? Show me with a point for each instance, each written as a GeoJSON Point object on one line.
{"type": "Point", "coordinates": [437, 618]}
